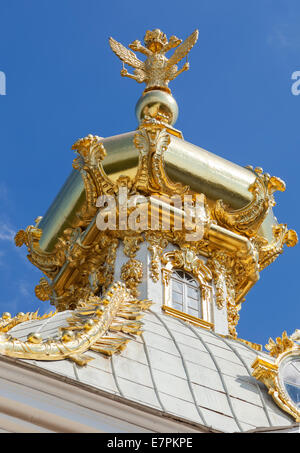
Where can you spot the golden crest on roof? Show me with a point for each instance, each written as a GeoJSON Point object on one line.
{"type": "Point", "coordinates": [157, 70]}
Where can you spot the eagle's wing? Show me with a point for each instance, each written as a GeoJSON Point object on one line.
{"type": "Point", "coordinates": [125, 55]}
{"type": "Point", "coordinates": [183, 49]}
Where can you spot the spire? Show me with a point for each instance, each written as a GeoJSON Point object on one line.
{"type": "Point", "coordinates": [156, 71]}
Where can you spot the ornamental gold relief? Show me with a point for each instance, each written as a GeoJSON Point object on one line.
{"type": "Point", "coordinates": [269, 251]}
{"type": "Point", "coordinates": [248, 220]}
{"type": "Point", "coordinates": [152, 142]}
{"type": "Point", "coordinates": [187, 259]}
{"type": "Point", "coordinates": [132, 275]}
{"type": "Point", "coordinates": [219, 263]}
{"type": "Point", "coordinates": [157, 242]}
{"type": "Point", "coordinates": [100, 325]}
{"type": "Point", "coordinates": [132, 245]}
{"type": "Point", "coordinates": [93, 259]}
{"type": "Point", "coordinates": [49, 263]}
{"type": "Point", "coordinates": [269, 370]}
{"type": "Point", "coordinates": [227, 271]}
{"type": "Point", "coordinates": [91, 153]}
{"type": "Point", "coordinates": [7, 322]}
{"type": "Point", "coordinates": [157, 70]}
{"type": "Point", "coordinates": [43, 290]}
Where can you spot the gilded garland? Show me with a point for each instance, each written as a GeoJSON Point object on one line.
{"type": "Point", "coordinates": [99, 324]}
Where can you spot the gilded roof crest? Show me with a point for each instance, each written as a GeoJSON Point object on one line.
{"type": "Point", "coordinates": [157, 70]}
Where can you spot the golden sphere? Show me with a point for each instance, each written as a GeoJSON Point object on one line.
{"type": "Point", "coordinates": [6, 315]}
{"type": "Point", "coordinates": [160, 101]}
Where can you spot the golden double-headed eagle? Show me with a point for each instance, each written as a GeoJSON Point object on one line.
{"type": "Point", "coordinates": [157, 70]}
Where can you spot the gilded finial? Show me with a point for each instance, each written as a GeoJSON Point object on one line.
{"type": "Point", "coordinates": [157, 70]}
{"type": "Point", "coordinates": [156, 104]}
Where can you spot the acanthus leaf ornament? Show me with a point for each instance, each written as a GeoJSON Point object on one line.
{"type": "Point", "coordinates": [49, 263]}
{"type": "Point", "coordinates": [247, 220]}
{"type": "Point", "coordinates": [280, 345]}
{"type": "Point", "coordinates": [187, 259]}
{"type": "Point", "coordinates": [269, 251]}
{"type": "Point", "coordinates": [91, 153]}
{"type": "Point", "coordinates": [151, 176]}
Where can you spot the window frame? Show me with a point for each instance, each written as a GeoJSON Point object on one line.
{"type": "Point", "coordinates": [176, 260]}
{"type": "Point", "coordinates": [185, 284]}
{"type": "Point", "coordinates": [290, 359]}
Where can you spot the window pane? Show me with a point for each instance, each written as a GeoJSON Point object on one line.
{"type": "Point", "coordinates": [296, 364]}
{"type": "Point", "coordinates": [177, 297]}
{"type": "Point", "coordinates": [186, 295]}
{"type": "Point", "coordinates": [193, 292]}
{"type": "Point", "coordinates": [177, 306]}
{"type": "Point", "coordinates": [176, 286]}
{"type": "Point", "coordinates": [193, 312]}
{"type": "Point", "coordinates": [291, 373]}
{"type": "Point", "coordinates": [192, 303]}
{"type": "Point", "coordinates": [180, 274]}
{"type": "Point", "coordinates": [291, 378]}
{"type": "Point", "coordinates": [294, 393]}
{"type": "Point", "coordinates": [194, 283]}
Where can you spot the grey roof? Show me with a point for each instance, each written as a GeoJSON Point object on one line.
{"type": "Point", "coordinates": [179, 369]}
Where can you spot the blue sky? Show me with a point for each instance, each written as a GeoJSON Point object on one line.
{"type": "Point", "coordinates": [63, 83]}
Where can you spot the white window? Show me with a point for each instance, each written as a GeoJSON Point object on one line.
{"type": "Point", "coordinates": [186, 294]}
{"type": "Point", "coordinates": [290, 374]}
